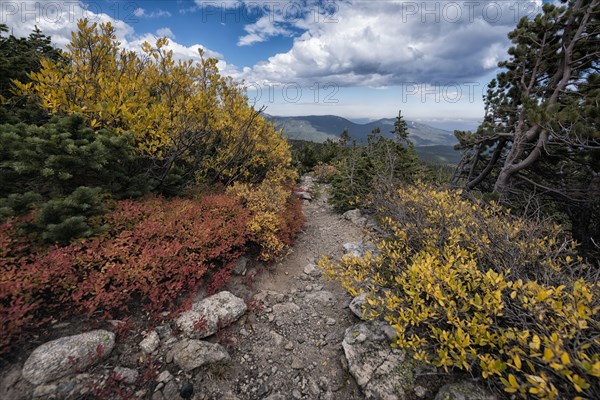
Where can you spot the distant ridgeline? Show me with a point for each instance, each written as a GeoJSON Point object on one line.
{"type": "Point", "coordinates": [432, 144]}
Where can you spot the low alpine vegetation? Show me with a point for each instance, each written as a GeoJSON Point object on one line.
{"type": "Point", "coordinates": [467, 285]}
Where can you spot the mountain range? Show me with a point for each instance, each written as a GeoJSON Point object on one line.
{"type": "Point", "coordinates": [431, 144]}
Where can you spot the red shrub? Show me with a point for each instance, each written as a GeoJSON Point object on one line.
{"type": "Point", "coordinates": [292, 221]}
{"type": "Point", "coordinates": [155, 250]}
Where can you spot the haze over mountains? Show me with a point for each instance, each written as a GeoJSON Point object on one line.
{"type": "Point", "coordinates": [432, 144]}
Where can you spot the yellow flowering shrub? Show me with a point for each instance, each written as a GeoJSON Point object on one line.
{"type": "Point", "coordinates": [275, 215]}
{"type": "Point", "coordinates": [179, 112]}
{"type": "Point", "coordinates": [324, 172]}
{"type": "Point", "coordinates": [454, 278]}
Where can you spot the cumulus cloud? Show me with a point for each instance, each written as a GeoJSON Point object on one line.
{"type": "Point", "coordinates": [385, 43]}
{"type": "Point", "coordinates": [261, 30]}
{"type": "Point", "coordinates": [167, 32]}
{"type": "Point", "coordinates": [59, 18]}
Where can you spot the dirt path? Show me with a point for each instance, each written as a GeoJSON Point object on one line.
{"type": "Point", "coordinates": [287, 346]}
{"type": "Point", "coordinates": [291, 349]}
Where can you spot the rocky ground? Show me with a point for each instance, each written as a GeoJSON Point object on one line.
{"type": "Point", "coordinates": [277, 334]}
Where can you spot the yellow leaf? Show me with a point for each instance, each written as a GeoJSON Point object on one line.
{"type": "Point", "coordinates": [512, 380]}
{"type": "Point", "coordinates": [548, 354]}
{"type": "Point", "coordinates": [517, 361]}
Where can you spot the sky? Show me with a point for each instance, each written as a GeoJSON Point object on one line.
{"type": "Point", "coordinates": [362, 60]}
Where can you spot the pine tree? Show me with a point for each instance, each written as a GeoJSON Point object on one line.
{"type": "Point", "coordinates": [400, 128]}
{"type": "Point", "coordinates": [540, 133]}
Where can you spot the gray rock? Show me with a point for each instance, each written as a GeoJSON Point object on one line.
{"type": "Point", "coordinates": [164, 376]}
{"type": "Point", "coordinates": [164, 331]}
{"type": "Point", "coordinates": [126, 375]}
{"type": "Point", "coordinates": [240, 266]}
{"type": "Point", "coordinates": [9, 380]}
{"type": "Point", "coordinates": [171, 391]}
{"type": "Point", "coordinates": [277, 338]}
{"type": "Point", "coordinates": [45, 390]}
{"type": "Point", "coordinates": [322, 296]}
{"type": "Point", "coordinates": [303, 195]}
{"type": "Point", "coordinates": [269, 297]}
{"type": "Point", "coordinates": [216, 311]}
{"type": "Point", "coordinates": [379, 370]}
{"type": "Point", "coordinates": [312, 270]}
{"type": "Point", "coordinates": [190, 354]}
{"type": "Point", "coordinates": [358, 249]}
{"type": "Point", "coordinates": [420, 391]}
{"type": "Point", "coordinates": [355, 216]}
{"type": "Point", "coordinates": [150, 342]}
{"type": "Point", "coordinates": [297, 363]}
{"type": "Point", "coordinates": [158, 396]}
{"type": "Point", "coordinates": [67, 355]}
{"type": "Point", "coordinates": [357, 304]}
{"type": "Point", "coordinates": [463, 391]}
{"type": "Point", "coordinates": [263, 390]}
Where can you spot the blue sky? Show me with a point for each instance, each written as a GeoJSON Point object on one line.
{"type": "Point", "coordinates": [357, 59]}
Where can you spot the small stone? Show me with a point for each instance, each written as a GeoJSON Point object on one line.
{"type": "Point", "coordinates": [263, 391]}
{"type": "Point", "coordinates": [303, 195]}
{"type": "Point", "coordinates": [171, 391]}
{"type": "Point", "coordinates": [44, 390]}
{"type": "Point", "coordinates": [297, 363]}
{"type": "Point", "coordinates": [308, 288]}
{"type": "Point", "coordinates": [277, 338]}
{"type": "Point", "coordinates": [312, 270]}
{"type": "Point", "coordinates": [289, 346]}
{"type": "Point", "coordinates": [158, 396]}
{"type": "Point", "coordinates": [296, 394]}
{"type": "Point", "coordinates": [420, 391]}
{"type": "Point", "coordinates": [323, 383]}
{"type": "Point", "coordinates": [164, 376]}
{"type": "Point", "coordinates": [159, 386]}
{"type": "Point", "coordinates": [357, 304]}
{"type": "Point", "coordinates": [164, 331]}
{"type": "Point", "coordinates": [330, 321]}
{"type": "Point", "coordinates": [150, 342]}
{"type": "Point", "coordinates": [355, 217]}
{"type": "Point", "coordinates": [191, 354]}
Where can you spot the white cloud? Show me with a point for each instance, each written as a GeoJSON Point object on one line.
{"type": "Point", "coordinates": [378, 44]}
{"type": "Point", "coordinates": [59, 18]}
{"type": "Point", "coordinates": [261, 30]}
{"type": "Point", "coordinates": [142, 13]}
{"type": "Point", "coordinates": [167, 32]}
